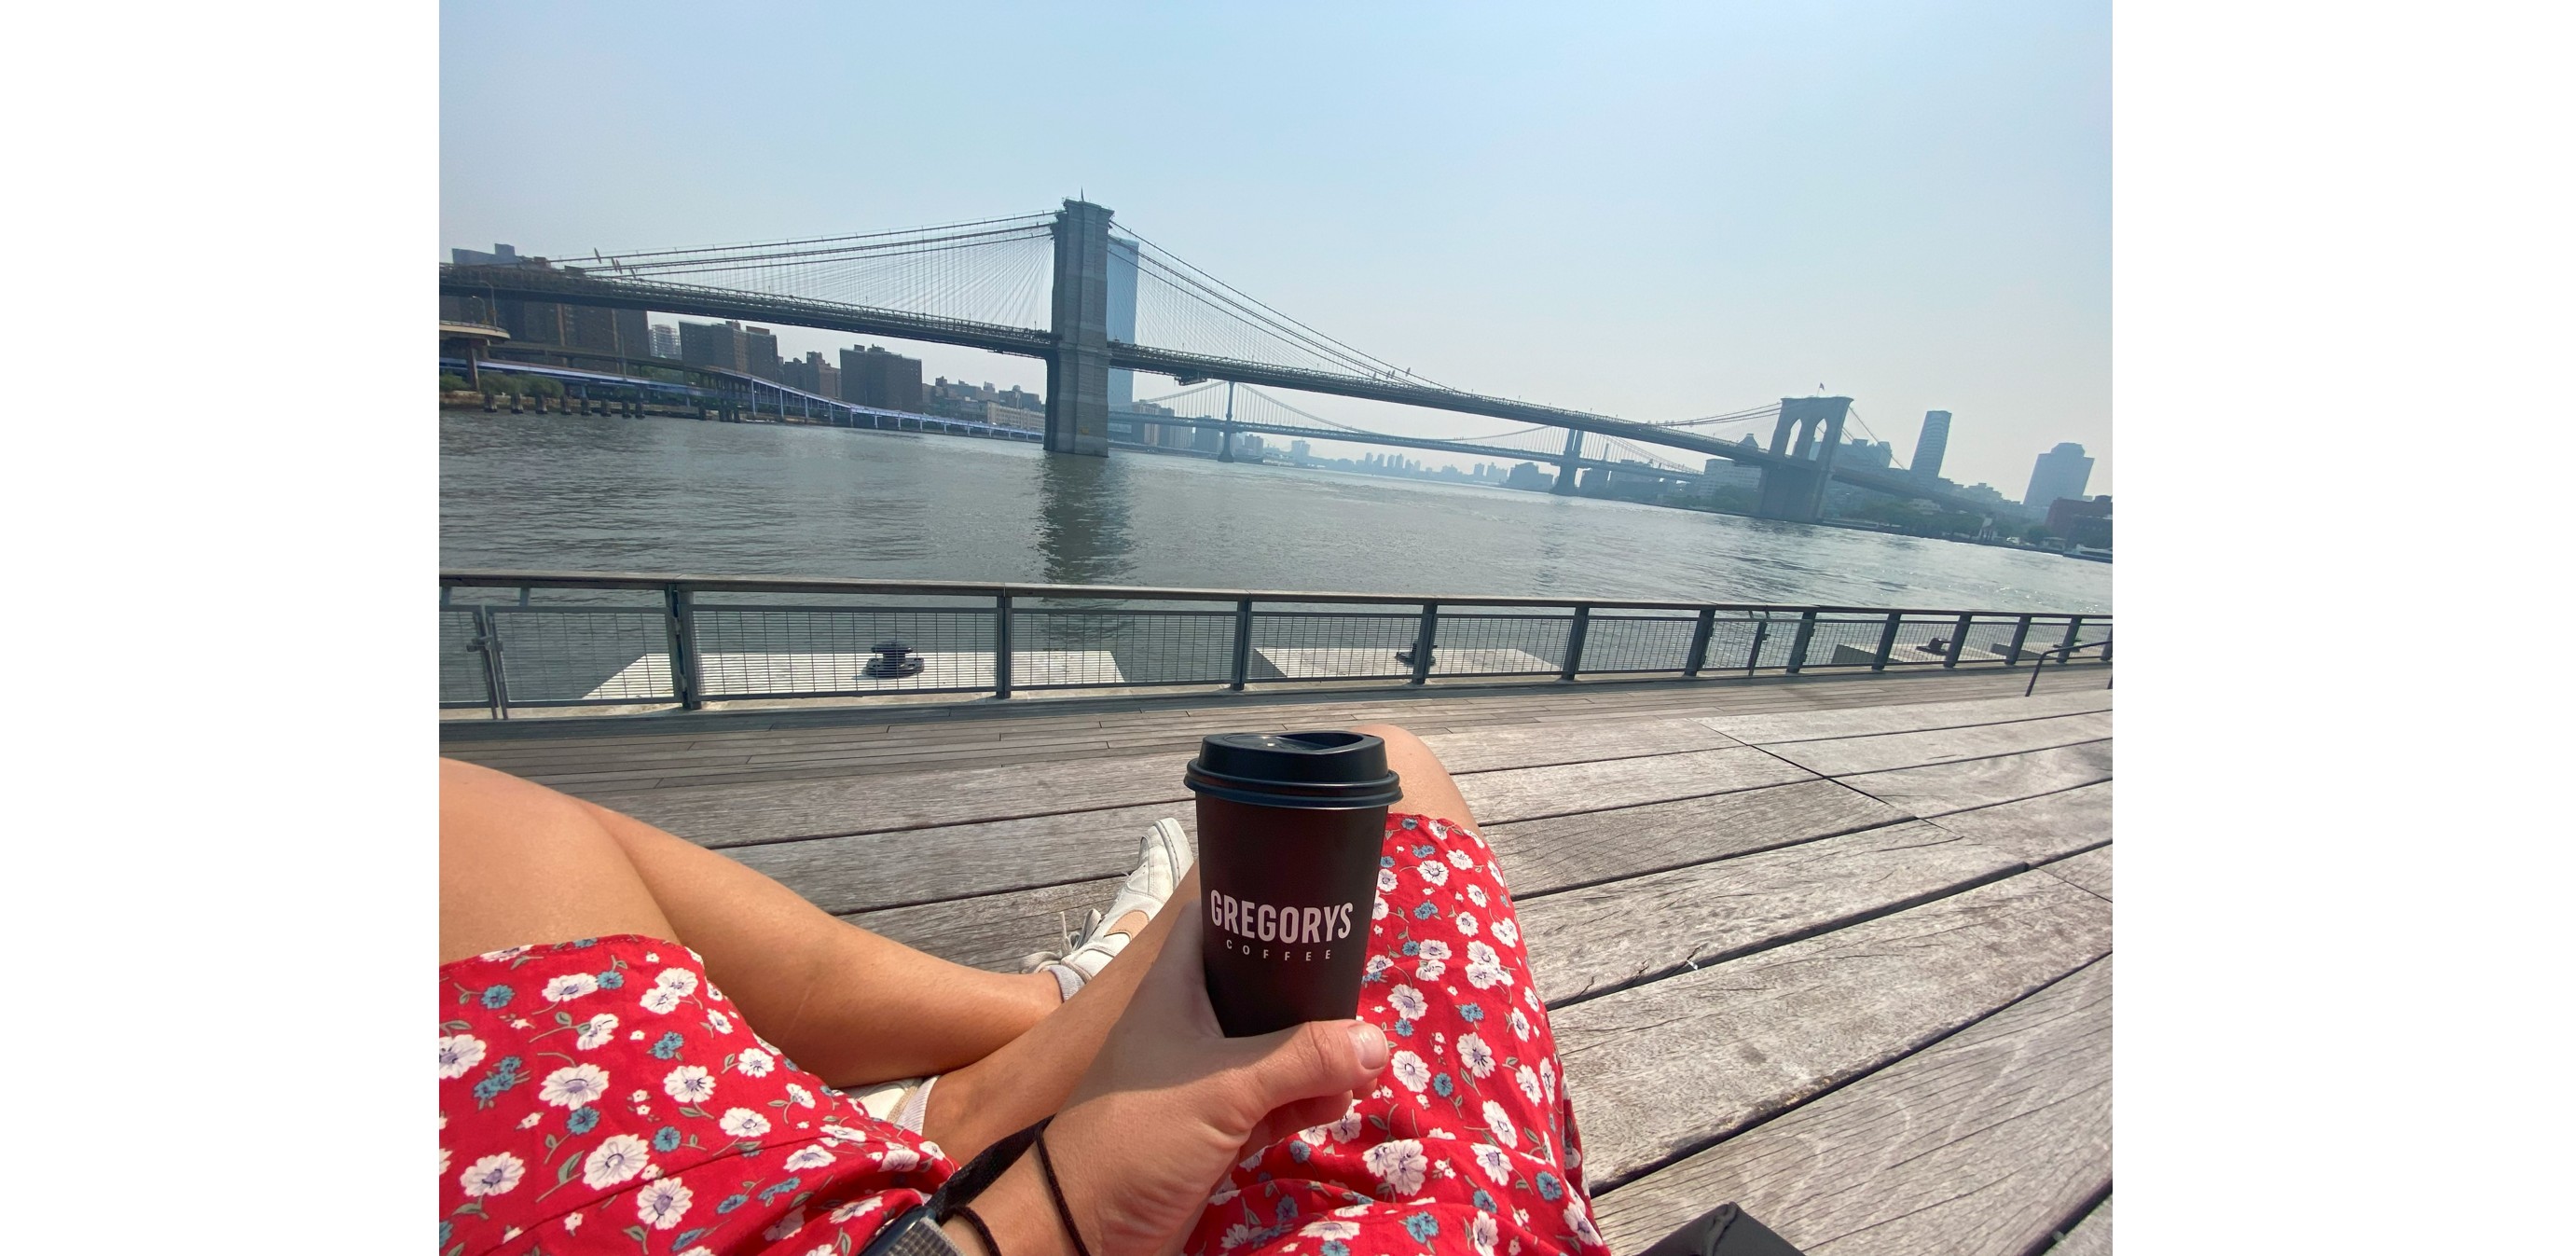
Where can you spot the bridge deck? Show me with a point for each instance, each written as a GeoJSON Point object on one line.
{"type": "Point", "coordinates": [1837, 949]}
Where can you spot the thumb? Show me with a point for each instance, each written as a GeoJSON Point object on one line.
{"type": "Point", "coordinates": [1314, 1060]}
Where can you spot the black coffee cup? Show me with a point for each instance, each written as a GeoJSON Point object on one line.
{"type": "Point", "coordinates": [1290, 825]}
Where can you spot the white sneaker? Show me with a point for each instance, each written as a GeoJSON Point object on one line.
{"type": "Point", "coordinates": [1162, 859]}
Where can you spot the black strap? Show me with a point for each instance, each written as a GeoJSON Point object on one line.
{"type": "Point", "coordinates": [1055, 1191]}
{"type": "Point", "coordinates": [980, 1172]}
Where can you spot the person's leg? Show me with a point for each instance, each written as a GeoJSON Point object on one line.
{"type": "Point", "coordinates": [522, 863]}
{"type": "Point", "coordinates": [1428, 791]}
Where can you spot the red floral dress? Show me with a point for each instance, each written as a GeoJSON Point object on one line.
{"type": "Point", "coordinates": [601, 1095]}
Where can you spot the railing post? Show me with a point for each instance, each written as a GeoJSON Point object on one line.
{"type": "Point", "coordinates": [1574, 635]}
{"type": "Point", "coordinates": [1761, 633]}
{"type": "Point", "coordinates": [1699, 641]}
{"type": "Point", "coordinates": [2021, 634]}
{"type": "Point", "coordinates": [487, 642]}
{"type": "Point", "coordinates": [1887, 641]}
{"type": "Point", "coordinates": [1958, 640]}
{"type": "Point", "coordinates": [1242, 645]}
{"type": "Point", "coordinates": [2074, 625]}
{"type": "Point", "coordinates": [682, 625]}
{"type": "Point", "coordinates": [1001, 645]}
{"type": "Point", "coordinates": [2106, 649]}
{"type": "Point", "coordinates": [1798, 647]}
{"type": "Point", "coordinates": [1423, 637]}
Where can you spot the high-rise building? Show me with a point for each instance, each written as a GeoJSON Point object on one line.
{"type": "Point", "coordinates": [871, 376]}
{"type": "Point", "coordinates": [1865, 455]}
{"type": "Point", "coordinates": [760, 352]}
{"type": "Point", "coordinates": [2061, 472]}
{"type": "Point", "coordinates": [1931, 445]}
{"type": "Point", "coordinates": [666, 341]}
{"type": "Point", "coordinates": [812, 374]}
{"type": "Point", "coordinates": [719, 345]}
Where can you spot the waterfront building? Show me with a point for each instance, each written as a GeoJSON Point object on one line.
{"type": "Point", "coordinates": [1300, 451]}
{"type": "Point", "coordinates": [1931, 445]}
{"type": "Point", "coordinates": [2082, 521]}
{"type": "Point", "coordinates": [1866, 455]}
{"type": "Point", "coordinates": [871, 376]}
{"type": "Point", "coordinates": [719, 345]}
{"type": "Point", "coordinates": [2061, 472]}
{"type": "Point", "coordinates": [1001, 415]}
{"type": "Point", "coordinates": [760, 353]}
{"type": "Point", "coordinates": [666, 340]}
{"type": "Point", "coordinates": [812, 374]}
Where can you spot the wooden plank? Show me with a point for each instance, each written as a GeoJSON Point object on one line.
{"type": "Point", "coordinates": [2090, 1237]}
{"type": "Point", "coordinates": [1880, 752]}
{"type": "Point", "coordinates": [2051, 826]}
{"type": "Point", "coordinates": [1607, 936]}
{"type": "Point", "coordinates": [1662, 1069]}
{"type": "Point", "coordinates": [1772, 728]}
{"type": "Point", "coordinates": [1542, 856]}
{"type": "Point", "coordinates": [1539, 745]}
{"type": "Point", "coordinates": [1943, 788]}
{"type": "Point", "coordinates": [1980, 1145]}
{"type": "Point", "coordinates": [736, 815]}
{"type": "Point", "coordinates": [2090, 870]}
{"type": "Point", "coordinates": [991, 931]}
{"type": "Point", "coordinates": [843, 875]}
{"type": "Point", "coordinates": [1527, 793]}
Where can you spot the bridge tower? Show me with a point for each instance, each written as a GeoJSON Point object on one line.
{"type": "Point", "coordinates": [1077, 403]}
{"type": "Point", "coordinates": [1797, 494]}
{"type": "Point", "coordinates": [1564, 486]}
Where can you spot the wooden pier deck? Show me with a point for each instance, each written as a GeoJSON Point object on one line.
{"type": "Point", "coordinates": [1837, 949]}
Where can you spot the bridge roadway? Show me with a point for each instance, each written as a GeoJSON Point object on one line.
{"type": "Point", "coordinates": [571, 287]}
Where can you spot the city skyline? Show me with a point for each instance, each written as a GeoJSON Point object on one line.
{"type": "Point", "coordinates": [1719, 231]}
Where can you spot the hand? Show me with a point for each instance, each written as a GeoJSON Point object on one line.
{"type": "Point", "coordinates": [1170, 1104]}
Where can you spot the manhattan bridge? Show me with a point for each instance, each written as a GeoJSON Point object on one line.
{"type": "Point", "coordinates": [1098, 302]}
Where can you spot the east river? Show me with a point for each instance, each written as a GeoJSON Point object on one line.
{"type": "Point", "coordinates": [563, 492]}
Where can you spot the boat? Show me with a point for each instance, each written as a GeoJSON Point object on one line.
{"type": "Point", "coordinates": [2090, 553]}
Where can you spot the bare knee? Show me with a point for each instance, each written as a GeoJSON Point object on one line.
{"type": "Point", "coordinates": [1428, 789]}
{"type": "Point", "coordinates": [518, 863]}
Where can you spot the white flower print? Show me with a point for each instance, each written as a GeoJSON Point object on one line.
{"type": "Point", "coordinates": [529, 1121]}
{"type": "Point", "coordinates": [1528, 1078]}
{"type": "Point", "coordinates": [1461, 860]}
{"type": "Point", "coordinates": [1547, 1078]}
{"type": "Point", "coordinates": [718, 1022]}
{"type": "Point", "coordinates": [1529, 995]}
{"type": "Point", "coordinates": [899, 1159]}
{"type": "Point", "coordinates": [660, 1000]}
{"type": "Point", "coordinates": [1481, 1233]}
{"type": "Point", "coordinates": [1237, 1235]}
{"type": "Point", "coordinates": [570, 986]}
{"type": "Point", "coordinates": [1378, 912]}
{"type": "Point", "coordinates": [1479, 953]}
{"type": "Point", "coordinates": [572, 1221]}
{"type": "Point", "coordinates": [786, 1225]}
{"type": "Point", "coordinates": [804, 1098]}
{"type": "Point", "coordinates": [1487, 976]}
{"type": "Point", "coordinates": [1581, 1224]}
{"type": "Point", "coordinates": [743, 1123]}
{"type": "Point", "coordinates": [754, 1063]}
{"type": "Point", "coordinates": [1520, 1025]}
{"type": "Point", "coordinates": [1313, 1135]}
{"type": "Point", "coordinates": [811, 1156]}
{"type": "Point", "coordinates": [1408, 1002]}
{"type": "Point", "coordinates": [1329, 1229]}
{"type": "Point", "coordinates": [1466, 924]}
{"type": "Point", "coordinates": [662, 1204]}
{"type": "Point", "coordinates": [595, 1031]}
{"type": "Point", "coordinates": [1355, 1210]}
{"type": "Point", "coordinates": [1430, 970]}
{"type": "Point", "coordinates": [496, 1174]}
{"type": "Point", "coordinates": [1434, 948]}
{"type": "Point", "coordinates": [1410, 1070]}
{"type": "Point", "coordinates": [457, 1053]}
{"type": "Point", "coordinates": [1434, 872]}
{"type": "Point", "coordinates": [1491, 1159]}
{"type": "Point", "coordinates": [1399, 1164]}
{"type": "Point", "coordinates": [1475, 1055]}
{"type": "Point", "coordinates": [1378, 964]}
{"type": "Point", "coordinates": [574, 1086]}
{"type": "Point", "coordinates": [444, 1156]}
{"type": "Point", "coordinates": [1348, 1127]}
{"type": "Point", "coordinates": [1475, 894]}
{"type": "Point", "coordinates": [504, 955]}
{"type": "Point", "coordinates": [679, 981]}
{"type": "Point", "coordinates": [619, 1157]}
{"type": "Point", "coordinates": [855, 1208]}
{"type": "Point", "coordinates": [1386, 880]}
{"type": "Point", "coordinates": [1507, 933]}
{"type": "Point", "coordinates": [1499, 1124]}
{"type": "Point", "coordinates": [689, 1083]}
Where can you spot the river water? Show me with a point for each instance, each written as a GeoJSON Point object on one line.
{"type": "Point", "coordinates": [563, 492]}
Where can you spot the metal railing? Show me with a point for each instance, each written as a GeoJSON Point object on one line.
{"type": "Point", "coordinates": [621, 639]}
{"type": "Point", "coordinates": [2065, 655]}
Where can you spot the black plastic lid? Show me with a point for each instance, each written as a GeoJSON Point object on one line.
{"type": "Point", "coordinates": [1321, 769]}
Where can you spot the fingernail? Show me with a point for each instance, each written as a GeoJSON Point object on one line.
{"type": "Point", "coordinates": [1369, 1045]}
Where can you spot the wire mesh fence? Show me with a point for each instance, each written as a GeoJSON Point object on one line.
{"type": "Point", "coordinates": [620, 641]}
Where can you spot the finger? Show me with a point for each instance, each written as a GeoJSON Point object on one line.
{"type": "Point", "coordinates": [1311, 1061]}
{"type": "Point", "coordinates": [1305, 1114]}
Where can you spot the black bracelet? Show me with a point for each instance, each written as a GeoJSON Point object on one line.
{"type": "Point", "coordinates": [982, 1231]}
{"type": "Point", "coordinates": [1055, 1191]}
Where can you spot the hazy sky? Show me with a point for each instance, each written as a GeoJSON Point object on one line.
{"type": "Point", "coordinates": [1650, 212]}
